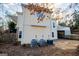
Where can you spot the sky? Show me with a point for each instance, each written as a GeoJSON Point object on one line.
{"type": "Point", "coordinates": [13, 8]}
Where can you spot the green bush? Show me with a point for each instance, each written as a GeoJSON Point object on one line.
{"type": "Point", "coordinates": [11, 25]}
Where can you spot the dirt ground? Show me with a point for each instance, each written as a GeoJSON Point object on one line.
{"type": "Point", "coordinates": [61, 48]}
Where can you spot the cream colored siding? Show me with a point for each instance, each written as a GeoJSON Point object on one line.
{"type": "Point", "coordinates": [30, 27]}
{"type": "Point", "coordinates": [54, 29]}
{"type": "Point", "coordinates": [20, 25]}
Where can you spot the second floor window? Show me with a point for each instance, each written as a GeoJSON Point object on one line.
{"type": "Point", "coordinates": [53, 25]}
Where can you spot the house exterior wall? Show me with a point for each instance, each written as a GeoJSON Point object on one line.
{"type": "Point", "coordinates": [54, 29]}
{"type": "Point", "coordinates": [31, 29]}
{"type": "Point", "coordinates": [20, 25]}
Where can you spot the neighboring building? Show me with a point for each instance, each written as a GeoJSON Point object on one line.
{"type": "Point", "coordinates": [63, 31]}
{"type": "Point", "coordinates": [35, 23]}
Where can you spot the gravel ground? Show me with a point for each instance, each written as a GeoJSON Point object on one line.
{"type": "Point", "coordinates": [53, 50]}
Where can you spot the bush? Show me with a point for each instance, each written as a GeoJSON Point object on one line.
{"type": "Point", "coordinates": [72, 37]}
{"type": "Point", "coordinates": [34, 43]}
{"type": "Point", "coordinates": [6, 37]}
{"type": "Point", "coordinates": [42, 42]}
{"type": "Point", "coordinates": [50, 42]}
{"type": "Point", "coordinates": [11, 25]}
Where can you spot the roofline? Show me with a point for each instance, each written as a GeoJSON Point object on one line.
{"type": "Point", "coordinates": [19, 13]}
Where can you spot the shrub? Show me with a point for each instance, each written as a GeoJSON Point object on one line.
{"type": "Point", "coordinates": [11, 25]}
{"type": "Point", "coordinates": [50, 42]}
{"type": "Point", "coordinates": [34, 43]}
{"type": "Point", "coordinates": [42, 42]}
{"type": "Point", "coordinates": [6, 37]}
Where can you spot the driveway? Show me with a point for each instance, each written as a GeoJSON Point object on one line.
{"type": "Point", "coordinates": [66, 44]}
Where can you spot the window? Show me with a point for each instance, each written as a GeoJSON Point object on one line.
{"type": "Point", "coordinates": [53, 25]}
{"type": "Point", "coordinates": [35, 36]}
{"type": "Point", "coordinates": [20, 34]}
{"type": "Point", "coordinates": [52, 34]}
